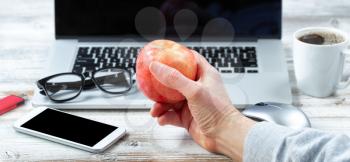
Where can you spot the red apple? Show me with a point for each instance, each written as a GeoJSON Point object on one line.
{"type": "Point", "coordinates": [169, 53]}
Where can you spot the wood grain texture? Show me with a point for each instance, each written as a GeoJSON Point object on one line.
{"type": "Point", "coordinates": [26, 33]}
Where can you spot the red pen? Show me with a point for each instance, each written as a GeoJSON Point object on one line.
{"type": "Point", "coordinates": [9, 103]}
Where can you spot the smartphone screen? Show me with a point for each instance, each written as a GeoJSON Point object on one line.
{"type": "Point", "coordinates": [69, 127]}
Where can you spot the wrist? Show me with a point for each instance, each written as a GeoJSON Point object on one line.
{"type": "Point", "coordinates": [231, 138]}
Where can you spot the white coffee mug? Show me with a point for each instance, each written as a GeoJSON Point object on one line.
{"type": "Point", "coordinates": [319, 68]}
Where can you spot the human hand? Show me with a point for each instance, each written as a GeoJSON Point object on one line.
{"type": "Point", "coordinates": [207, 113]}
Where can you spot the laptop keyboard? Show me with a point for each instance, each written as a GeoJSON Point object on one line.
{"type": "Point", "coordinates": [224, 59]}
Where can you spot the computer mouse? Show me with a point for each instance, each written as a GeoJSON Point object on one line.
{"type": "Point", "coordinates": [282, 114]}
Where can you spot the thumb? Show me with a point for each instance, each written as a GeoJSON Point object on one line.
{"type": "Point", "coordinates": [172, 78]}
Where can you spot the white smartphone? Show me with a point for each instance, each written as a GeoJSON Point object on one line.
{"type": "Point", "coordinates": [71, 130]}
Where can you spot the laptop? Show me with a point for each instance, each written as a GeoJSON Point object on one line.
{"type": "Point", "coordinates": [241, 39]}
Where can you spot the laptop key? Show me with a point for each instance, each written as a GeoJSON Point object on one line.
{"type": "Point", "coordinates": [108, 65]}
{"type": "Point", "coordinates": [251, 55]}
{"type": "Point", "coordinates": [215, 60]}
{"type": "Point", "coordinates": [83, 50]}
{"type": "Point", "coordinates": [252, 71]}
{"type": "Point", "coordinates": [85, 60]}
{"type": "Point", "coordinates": [239, 70]}
{"type": "Point", "coordinates": [226, 71]}
{"type": "Point", "coordinates": [223, 64]}
{"type": "Point", "coordinates": [95, 50]}
{"type": "Point", "coordinates": [236, 62]}
{"type": "Point", "coordinates": [234, 50]}
{"type": "Point", "coordinates": [108, 50]}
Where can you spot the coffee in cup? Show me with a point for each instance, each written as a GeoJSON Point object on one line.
{"type": "Point", "coordinates": [322, 38]}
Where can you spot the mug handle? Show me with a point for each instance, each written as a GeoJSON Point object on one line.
{"type": "Point", "coordinates": [343, 85]}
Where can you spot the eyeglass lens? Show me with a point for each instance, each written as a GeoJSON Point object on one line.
{"type": "Point", "coordinates": [64, 86]}
{"type": "Point", "coordinates": [113, 80]}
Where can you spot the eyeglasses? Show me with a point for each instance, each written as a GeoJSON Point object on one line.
{"type": "Point", "coordinates": [67, 86]}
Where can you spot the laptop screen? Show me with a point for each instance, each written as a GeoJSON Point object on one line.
{"type": "Point", "coordinates": [173, 19]}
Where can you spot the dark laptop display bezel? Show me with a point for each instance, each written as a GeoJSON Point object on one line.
{"type": "Point", "coordinates": [61, 33]}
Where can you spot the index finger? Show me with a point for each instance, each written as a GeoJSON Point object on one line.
{"type": "Point", "coordinates": [159, 109]}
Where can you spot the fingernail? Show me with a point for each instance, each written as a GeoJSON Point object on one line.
{"type": "Point", "coordinates": [154, 66]}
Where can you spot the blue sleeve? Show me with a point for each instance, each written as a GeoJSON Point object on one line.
{"type": "Point", "coordinates": [273, 143]}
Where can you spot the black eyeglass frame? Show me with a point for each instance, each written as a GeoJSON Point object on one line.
{"type": "Point", "coordinates": [85, 84]}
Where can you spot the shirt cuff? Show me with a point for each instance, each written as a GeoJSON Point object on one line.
{"type": "Point", "coordinates": [262, 141]}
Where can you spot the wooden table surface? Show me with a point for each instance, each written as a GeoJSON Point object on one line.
{"type": "Point", "coordinates": [26, 33]}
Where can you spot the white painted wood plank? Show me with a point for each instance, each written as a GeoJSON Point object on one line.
{"type": "Point", "coordinates": [309, 8]}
